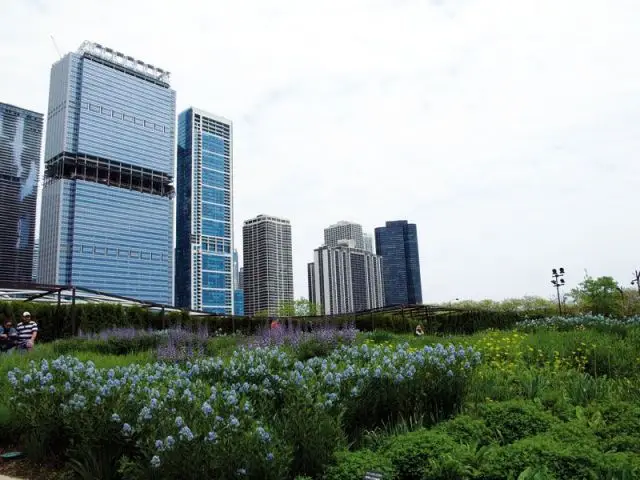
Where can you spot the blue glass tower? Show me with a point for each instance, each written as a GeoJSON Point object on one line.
{"type": "Point", "coordinates": [397, 244]}
{"type": "Point", "coordinates": [107, 203]}
{"type": "Point", "coordinates": [204, 223]}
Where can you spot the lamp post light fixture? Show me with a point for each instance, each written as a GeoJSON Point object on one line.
{"type": "Point", "coordinates": [636, 280]}
{"type": "Point", "coordinates": [558, 282]}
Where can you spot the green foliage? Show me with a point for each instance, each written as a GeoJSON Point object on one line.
{"type": "Point", "coordinates": [411, 453]}
{"type": "Point", "coordinates": [314, 434]}
{"type": "Point", "coordinates": [564, 461]}
{"type": "Point", "coordinates": [355, 465]}
{"type": "Point", "coordinates": [515, 419]}
{"type": "Point", "coordinates": [468, 430]}
{"type": "Point", "coordinates": [298, 308]}
{"type": "Point", "coordinates": [600, 295]}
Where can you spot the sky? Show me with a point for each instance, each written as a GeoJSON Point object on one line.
{"type": "Point", "coordinates": [508, 131]}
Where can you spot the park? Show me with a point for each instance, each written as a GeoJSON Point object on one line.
{"type": "Point", "coordinates": [491, 391]}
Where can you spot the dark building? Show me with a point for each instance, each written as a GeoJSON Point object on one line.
{"type": "Point", "coordinates": [20, 142]}
{"type": "Point", "coordinates": [397, 244]}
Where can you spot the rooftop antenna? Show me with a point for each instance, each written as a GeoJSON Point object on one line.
{"type": "Point", "coordinates": [55, 45]}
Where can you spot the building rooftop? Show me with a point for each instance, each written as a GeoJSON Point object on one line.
{"type": "Point", "coordinates": [124, 61]}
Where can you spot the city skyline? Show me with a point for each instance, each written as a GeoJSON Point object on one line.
{"type": "Point", "coordinates": [488, 157]}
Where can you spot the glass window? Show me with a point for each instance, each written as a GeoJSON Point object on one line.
{"type": "Point", "coordinates": [211, 160]}
{"type": "Point", "coordinates": [212, 143]}
{"type": "Point", "coordinates": [213, 178]}
{"type": "Point", "coordinates": [213, 228]}
{"type": "Point", "coordinates": [216, 280]}
{"type": "Point", "coordinates": [213, 195]}
{"type": "Point", "coordinates": [215, 297]}
{"type": "Point", "coordinates": [215, 262]}
{"type": "Point", "coordinates": [215, 212]}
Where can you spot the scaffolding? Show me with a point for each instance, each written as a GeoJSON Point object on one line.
{"type": "Point", "coordinates": [90, 168]}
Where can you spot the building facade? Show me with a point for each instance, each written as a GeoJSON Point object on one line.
{"type": "Point", "coordinates": [397, 244]}
{"type": "Point", "coordinates": [344, 230]}
{"type": "Point", "coordinates": [238, 302]}
{"type": "Point", "coordinates": [368, 242]}
{"type": "Point", "coordinates": [344, 279]}
{"type": "Point", "coordinates": [267, 275]}
{"type": "Point", "coordinates": [205, 258]}
{"type": "Point", "coordinates": [107, 202]}
{"type": "Point", "coordinates": [20, 145]}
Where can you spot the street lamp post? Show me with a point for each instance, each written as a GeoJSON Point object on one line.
{"type": "Point", "coordinates": [558, 282]}
{"type": "Point", "coordinates": [636, 280]}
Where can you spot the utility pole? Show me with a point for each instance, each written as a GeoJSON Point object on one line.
{"type": "Point", "coordinates": [636, 280]}
{"type": "Point", "coordinates": [558, 282]}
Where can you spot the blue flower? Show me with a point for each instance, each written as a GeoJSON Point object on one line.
{"type": "Point", "coordinates": [234, 422]}
{"type": "Point", "coordinates": [126, 429]}
{"type": "Point", "coordinates": [160, 445]}
{"type": "Point", "coordinates": [186, 433]}
{"type": "Point", "coordinates": [206, 409]}
{"type": "Point", "coordinates": [179, 422]}
{"type": "Point", "coordinates": [269, 457]}
{"type": "Point", "coordinates": [155, 461]}
{"type": "Point", "coordinates": [263, 434]}
{"type": "Point", "coordinates": [211, 437]}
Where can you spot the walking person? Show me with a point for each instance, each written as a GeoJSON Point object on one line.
{"type": "Point", "coordinates": [27, 331]}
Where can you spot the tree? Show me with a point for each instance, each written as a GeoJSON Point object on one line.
{"type": "Point", "coordinates": [600, 295]}
{"type": "Point", "coordinates": [298, 308]}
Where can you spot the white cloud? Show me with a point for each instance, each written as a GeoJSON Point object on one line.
{"type": "Point", "coordinates": [506, 130]}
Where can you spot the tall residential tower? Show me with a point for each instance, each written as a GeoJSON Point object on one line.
{"type": "Point", "coordinates": [20, 144]}
{"type": "Point", "coordinates": [267, 274]}
{"type": "Point", "coordinates": [107, 207]}
{"type": "Point", "coordinates": [204, 224]}
{"type": "Point", "coordinates": [344, 279]}
{"type": "Point", "coordinates": [397, 243]}
{"type": "Point", "coordinates": [344, 230]}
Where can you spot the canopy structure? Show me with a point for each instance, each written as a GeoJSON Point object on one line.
{"type": "Point", "coordinates": [69, 295]}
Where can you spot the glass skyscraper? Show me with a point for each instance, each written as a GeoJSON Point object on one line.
{"type": "Point", "coordinates": [204, 223]}
{"type": "Point", "coordinates": [397, 244]}
{"type": "Point", "coordinates": [20, 142]}
{"type": "Point", "coordinates": [107, 203]}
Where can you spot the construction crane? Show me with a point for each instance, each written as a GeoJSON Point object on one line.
{"type": "Point", "coordinates": [55, 45]}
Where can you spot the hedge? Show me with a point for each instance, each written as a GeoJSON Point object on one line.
{"type": "Point", "coordinates": [61, 321]}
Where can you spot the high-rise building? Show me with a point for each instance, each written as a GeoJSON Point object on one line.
{"type": "Point", "coordinates": [205, 258]}
{"type": "Point", "coordinates": [397, 244]}
{"type": "Point", "coordinates": [36, 261]}
{"type": "Point", "coordinates": [20, 144]}
{"type": "Point", "coordinates": [344, 279]}
{"type": "Point", "coordinates": [240, 280]}
{"type": "Point", "coordinates": [368, 242]}
{"type": "Point", "coordinates": [267, 264]}
{"type": "Point", "coordinates": [238, 302]}
{"type": "Point", "coordinates": [107, 202]}
{"type": "Point", "coordinates": [236, 270]}
{"type": "Point", "coordinates": [344, 230]}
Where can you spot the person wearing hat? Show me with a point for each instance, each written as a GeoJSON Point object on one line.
{"type": "Point", "coordinates": [27, 331]}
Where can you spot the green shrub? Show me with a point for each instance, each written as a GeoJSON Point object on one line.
{"type": "Point", "coordinates": [619, 429]}
{"type": "Point", "coordinates": [564, 461]}
{"type": "Point", "coordinates": [314, 433]}
{"type": "Point", "coordinates": [515, 419]}
{"type": "Point", "coordinates": [411, 453]}
{"type": "Point", "coordinates": [313, 348]}
{"type": "Point", "coordinates": [467, 430]}
{"type": "Point", "coordinates": [355, 465]}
